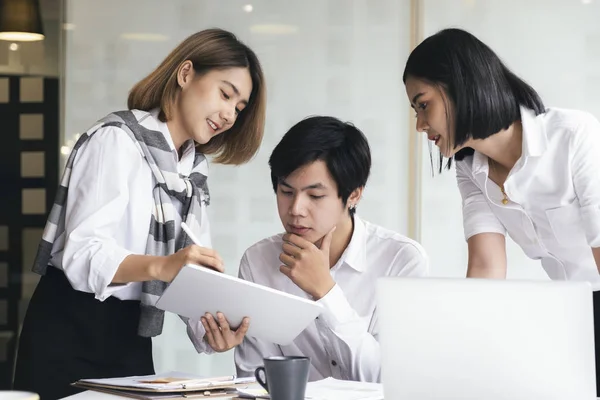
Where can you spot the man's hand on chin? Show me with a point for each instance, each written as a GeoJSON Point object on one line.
{"type": "Point", "coordinates": [307, 265]}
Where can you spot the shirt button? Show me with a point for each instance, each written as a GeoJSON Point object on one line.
{"type": "Point", "coordinates": [333, 363]}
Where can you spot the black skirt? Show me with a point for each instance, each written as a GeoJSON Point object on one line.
{"type": "Point", "coordinates": [69, 335]}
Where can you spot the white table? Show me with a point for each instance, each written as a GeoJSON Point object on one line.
{"type": "Point", "coordinates": [91, 395]}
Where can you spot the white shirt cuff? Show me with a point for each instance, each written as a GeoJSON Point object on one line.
{"type": "Point", "coordinates": [590, 217]}
{"type": "Point", "coordinates": [104, 270]}
{"type": "Point", "coordinates": [196, 332]}
{"type": "Point", "coordinates": [337, 309]}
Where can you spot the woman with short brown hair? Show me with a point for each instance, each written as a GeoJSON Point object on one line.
{"type": "Point", "coordinates": [113, 239]}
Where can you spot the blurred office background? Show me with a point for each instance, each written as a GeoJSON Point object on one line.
{"type": "Point", "coordinates": [339, 57]}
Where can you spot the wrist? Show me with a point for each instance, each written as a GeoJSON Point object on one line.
{"type": "Point", "coordinates": [155, 268]}
{"type": "Point", "coordinates": [324, 289]}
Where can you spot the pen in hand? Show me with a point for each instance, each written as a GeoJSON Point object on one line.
{"type": "Point", "coordinates": [195, 239]}
{"type": "Point", "coordinates": [191, 235]}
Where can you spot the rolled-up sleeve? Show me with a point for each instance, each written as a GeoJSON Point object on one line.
{"type": "Point", "coordinates": [585, 164]}
{"type": "Point", "coordinates": [196, 332]}
{"type": "Point", "coordinates": [478, 217]}
{"type": "Point", "coordinates": [97, 200]}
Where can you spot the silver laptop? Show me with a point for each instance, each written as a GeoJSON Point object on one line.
{"type": "Point", "coordinates": [486, 339]}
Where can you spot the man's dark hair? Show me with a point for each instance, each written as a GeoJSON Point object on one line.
{"type": "Point", "coordinates": [342, 146]}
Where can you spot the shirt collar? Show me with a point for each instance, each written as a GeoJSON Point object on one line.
{"type": "Point", "coordinates": [534, 140]}
{"type": "Point", "coordinates": [189, 149]}
{"type": "Point", "coordinates": [355, 254]}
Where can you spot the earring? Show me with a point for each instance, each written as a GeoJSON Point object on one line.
{"type": "Point", "coordinates": [352, 207]}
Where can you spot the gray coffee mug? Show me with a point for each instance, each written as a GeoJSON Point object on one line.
{"type": "Point", "coordinates": [285, 377]}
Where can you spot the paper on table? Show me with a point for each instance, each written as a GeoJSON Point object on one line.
{"type": "Point", "coordinates": [253, 392]}
{"type": "Point", "coordinates": [333, 389]}
{"type": "Point", "coordinates": [326, 389]}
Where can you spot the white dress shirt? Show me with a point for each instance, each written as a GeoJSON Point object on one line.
{"type": "Point", "coordinates": [108, 211]}
{"type": "Point", "coordinates": [554, 192]}
{"type": "Point", "coordinates": [342, 342]}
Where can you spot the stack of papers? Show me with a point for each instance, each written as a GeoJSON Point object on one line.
{"type": "Point", "coordinates": [167, 385]}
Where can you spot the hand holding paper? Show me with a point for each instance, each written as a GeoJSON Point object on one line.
{"type": "Point", "coordinates": [194, 254]}
{"type": "Point", "coordinates": [219, 334]}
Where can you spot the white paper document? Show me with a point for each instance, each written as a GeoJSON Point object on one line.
{"type": "Point", "coordinates": [333, 389]}
{"type": "Point", "coordinates": [328, 389]}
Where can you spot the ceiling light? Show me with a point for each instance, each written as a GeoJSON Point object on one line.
{"type": "Point", "coordinates": [144, 37]}
{"type": "Point", "coordinates": [21, 21]}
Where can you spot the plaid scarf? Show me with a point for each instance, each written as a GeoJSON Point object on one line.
{"type": "Point", "coordinates": [191, 191]}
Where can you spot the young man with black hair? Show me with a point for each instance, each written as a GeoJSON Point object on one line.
{"type": "Point", "coordinates": [319, 171]}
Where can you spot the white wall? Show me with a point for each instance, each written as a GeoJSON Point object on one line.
{"type": "Point", "coordinates": [335, 57]}
{"type": "Point", "coordinates": [552, 44]}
